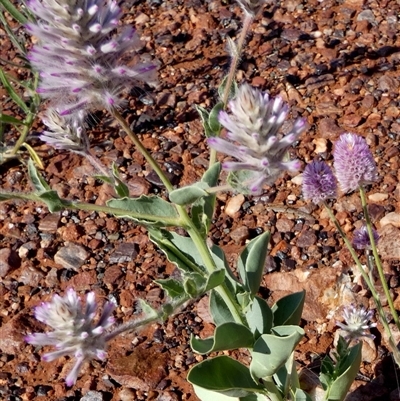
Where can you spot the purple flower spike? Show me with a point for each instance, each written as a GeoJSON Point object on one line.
{"type": "Point", "coordinates": [361, 238]}
{"type": "Point", "coordinates": [353, 162]}
{"type": "Point", "coordinates": [75, 333]}
{"type": "Point", "coordinates": [254, 139]}
{"type": "Point", "coordinates": [74, 36]}
{"type": "Point", "coordinates": [357, 322]}
{"type": "Point", "coordinates": [319, 183]}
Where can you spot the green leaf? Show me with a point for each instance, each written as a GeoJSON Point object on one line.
{"type": "Point", "coordinates": [203, 209]}
{"type": "Point", "coordinates": [5, 118]}
{"type": "Point", "coordinates": [121, 188]}
{"type": "Point", "coordinates": [213, 122]}
{"type": "Point", "coordinates": [224, 375]}
{"type": "Point", "coordinates": [37, 180]}
{"type": "Point", "coordinates": [147, 210]}
{"type": "Point", "coordinates": [251, 262]}
{"type": "Point", "coordinates": [301, 395]}
{"type": "Point", "coordinates": [13, 38]}
{"type": "Point", "coordinates": [286, 377]}
{"type": "Point", "coordinates": [18, 16]}
{"type": "Point", "coordinates": [271, 351]}
{"type": "Point", "coordinates": [188, 195]}
{"type": "Point", "coordinates": [288, 309]}
{"type": "Point", "coordinates": [215, 279]}
{"type": "Point", "coordinates": [219, 309]}
{"type": "Point", "coordinates": [179, 250]}
{"type": "Point", "coordinates": [220, 261]}
{"type": "Point", "coordinates": [173, 288]}
{"type": "Point", "coordinates": [337, 378]}
{"type": "Point", "coordinates": [226, 336]}
{"type": "Point", "coordinates": [194, 284]}
{"type": "Point", "coordinates": [259, 317]}
{"type": "Point", "coordinates": [207, 395]}
{"type": "Point", "coordinates": [11, 92]}
{"type": "Point", "coordinates": [239, 181]}
{"type": "Point", "coordinates": [147, 310]}
{"type": "Point", "coordinates": [204, 115]}
{"type": "Point", "coordinates": [52, 200]}
{"type": "Point", "coordinates": [232, 92]}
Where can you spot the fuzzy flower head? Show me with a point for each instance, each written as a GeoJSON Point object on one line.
{"type": "Point", "coordinates": [357, 322]}
{"type": "Point", "coordinates": [319, 183]}
{"type": "Point", "coordinates": [361, 238]}
{"type": "Point", "coordinates": [353, 162]}
{"type": "Point", "coordinates": [74, 332]}
{"type": "Point", "coordinates": [79, 55]}
{"type": "Point", "coordinates": [254, 138]}
{"type": "Point", "coordinates": [251, 7]}
{"type": "Point", "coordinates": [64, 134]}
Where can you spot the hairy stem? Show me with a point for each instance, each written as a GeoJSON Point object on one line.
{"type": "Point", "coordinates": [154, 165]}
{"type": "Point", "coordinates": [157, 315]}
{"type": "Point", "coordinates": [237, 52]}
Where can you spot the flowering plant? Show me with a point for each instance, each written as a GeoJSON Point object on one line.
{"type": "Point", "coordinates": [79, 46]}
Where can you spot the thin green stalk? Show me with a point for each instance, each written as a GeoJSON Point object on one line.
{"type": "Point", "coordinates": [237, 52]}
{"type": "Point", "coordinates": [28, 121]}
{"type": "Point", "coordinates": [154, 165]}
{"type": "Point", "coordinates": [378, 262]}
{"type": "Point", "coordinates": [364, 275]}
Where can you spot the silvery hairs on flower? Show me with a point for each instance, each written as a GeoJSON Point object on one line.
{"type": "Point", "coordinates": [353, 162]}
{"type": "Point", "coordinates": [65, 134]}
{"type": "Point", "coordinates": [254, 137]}
{"type": "Point", "coordinates": [75, 333]}
{"type": "Point", "coordinates": [79, 55]}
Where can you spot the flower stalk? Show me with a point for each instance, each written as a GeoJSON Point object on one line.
{"type": "Point", "coordinates": [377, 259]}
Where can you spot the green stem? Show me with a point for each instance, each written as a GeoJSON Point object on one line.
{"type": "Point", "coordinates": [154, 165]}
{"type": "Point", "coordinates": [364, 275]}
{"type": "Point", "coordinates": [28, 121]}
{"type": "Point", "coordinates": [378, 262]}
{"type": "Point", "coordinates": [185, 220]}
{"type": "Point", "coordinates": [237, 52]}
{"type": "Point", "coordinates": [208, 260]}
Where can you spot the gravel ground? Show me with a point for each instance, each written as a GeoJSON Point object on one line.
{"type": "Point", "coordinates": [337, 64]}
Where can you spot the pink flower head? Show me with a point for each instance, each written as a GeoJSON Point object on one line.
{"type": "Point", "coordinates": [79, 55]}
{"type": "Point", "coordinates": [361, 238]}
{"type": "Point", "coordinates": [319, 183]}
{"type": "Point", "coordinates": [74, 332]}
{"type": "Point", "coordinates": [357, 322]}
{"type": "Point", "coordinates": [254, 138]}
{"type": "Point", "coordinates": [353, 162]}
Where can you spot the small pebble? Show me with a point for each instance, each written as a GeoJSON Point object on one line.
{"type": "Point", "coordinates": [234, 204]}
{"type": "Point", "coordinates": [71, 256]}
